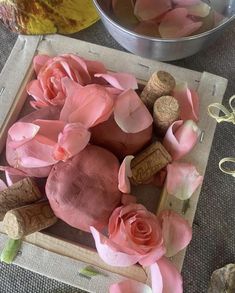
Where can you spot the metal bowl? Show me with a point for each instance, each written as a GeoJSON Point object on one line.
{"type": "Point", "coordinates": [165, 49]}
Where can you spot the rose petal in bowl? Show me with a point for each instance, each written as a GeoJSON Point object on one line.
{"type": "Point", "coordinates": [150, 9]}
{"type": "Point", "coordinates": [200, 9]}
{"type": "Point", "coordinates": [177, 24]}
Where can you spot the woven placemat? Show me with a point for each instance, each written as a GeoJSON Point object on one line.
{"type": "Point", "coordinates": [213, 243]}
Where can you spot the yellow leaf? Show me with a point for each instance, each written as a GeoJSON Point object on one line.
{"type": "Point", "coordinates": [47, 16]}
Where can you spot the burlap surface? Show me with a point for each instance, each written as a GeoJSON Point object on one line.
{"type": "Point", "coordinates": [213, 243]}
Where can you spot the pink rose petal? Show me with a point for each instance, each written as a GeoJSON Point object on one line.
{"type": "Point", "coordinates": [186, 2]}
{"type": "Point", "coordinates": [200, 9]}
{"type": "Point", "coordinates": [122, 81]}
{"type": "Point", "coordinates": [156, 278]}
{"type": "Point", "coordinates": [22, 132]}
{"type": "Point", "coordinates": [130, 114]}
{"type": "Point", "coordinates": [153, 256]}
{"type": "Point", "coordinates": [35, 90]}
{"type": "Point", "coordinates": [177, 24]}
{"type": "Point", "coordinates": [188, 101]}
{"type": "Point", "coordinates": [130, 286]}
{"type": "Point", "coordinates": [95, 67]}
{"type": "Point", "coordinates": [172, 280]}
{"type": "Point", "coordinates": [73, 139]}
{"type": "Point", "coordinates": [180, 138]}
{"type": "Point", "coordinates": [39, 61]}
{"type": "Point", "coordinates": [177, 232]}
{"type": "Point", "coordinates": [89, 105]}
{"type": "Point", "coordinates": [124, 175]}
{"type": "Point", "coordinates": [150, 9]}
{"type": "Point", "coordinates": [13, 175]}
{"type": "Point", "coordinates": [182, 180]}
{"type": "Point", "coordinates": [111, 253]}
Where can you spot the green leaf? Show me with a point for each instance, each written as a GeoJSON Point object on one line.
{"type": "Point", "coordinates": [89, 272]}
{"type": "Point", "coordinates": [10, 250]}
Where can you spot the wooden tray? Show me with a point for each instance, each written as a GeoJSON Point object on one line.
{"type": "Point", "coordinates": [58, 251]}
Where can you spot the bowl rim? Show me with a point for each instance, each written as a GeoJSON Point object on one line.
{"type": "Point", "coordinates": [220, 26]}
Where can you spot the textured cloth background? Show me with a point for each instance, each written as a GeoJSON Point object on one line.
{"type": "Point", "coordinates": [213, 243]}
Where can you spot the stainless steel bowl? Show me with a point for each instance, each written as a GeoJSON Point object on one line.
{"type": "Point", "coordinates": [165, 49]}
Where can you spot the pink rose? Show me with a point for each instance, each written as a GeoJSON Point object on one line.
{"type": "Point", "coordinates": [137, 235]}
{"type": "Point", "coordinates": [47, 89]}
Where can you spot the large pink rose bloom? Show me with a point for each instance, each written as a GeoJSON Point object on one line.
{"type": "Point", "coordinates": [47, 89]}
{"type": "Point", "coordinates": [137, 235]}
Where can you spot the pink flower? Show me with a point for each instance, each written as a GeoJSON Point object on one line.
{"type": "Point", "coordinates": [47, 88]}
{"type": "Point", "coordinates": [137, 235]}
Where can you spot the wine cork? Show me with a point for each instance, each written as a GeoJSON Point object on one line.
{"type": "Point", "coordinates": [166, 110]}
{"type": "Point", "coordinates": [161, 83]}
{"type": "Point", "coordinates": [149, 162]}
{"type": "Point", "coordinates": [26, 220]}
{"type": "Point", "coordinates": [19, 194]}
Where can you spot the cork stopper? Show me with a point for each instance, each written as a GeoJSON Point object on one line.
{"type": "Point", "coordinates": [19, 194]}
{"type": "Point", "coordinates": [161, 83]}
{"type": "Point", "coordinates": [26, 220]}
{"type": "Point", "coordinates": [166, 110]}
{"type": "Point", "coordinates": [149, 162]}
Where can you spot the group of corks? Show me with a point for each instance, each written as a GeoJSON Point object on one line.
{"type": "Point", "coordinates": [165, 110]}
{"type": "Point", "coordinates": [23, 210]}
{"type": "Point", "coordinates": [22, 207]}
{"type": "Point", "coordinates": [158, 99]}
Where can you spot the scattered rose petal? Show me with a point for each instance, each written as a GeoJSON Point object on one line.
{"type": "Point", "coordinates": [177, 232]}
{"type": "Point", "coordinates": [180, 138]}
{"type": "Point", "coordinates": [111, 252]}
{"type": "Point", "coordinates": [73, 139]}
{"type": "Point", "coordinates": [177, 24]}
{"type": "Point", "coordinates": [124, 175]}
{"type": "Point", "coordinates": [188, 100]}
{"type": "Point", "coordinates": [121, 81]}
{"type": "Point", "coordinates": [172, 280]}
{"type": "Point", "coordinates": [130, 286]}
{"type": "Point", "coordinates": [130, 114]}
{"type": "Point", "coordinates": [182, 180]}
{"type": "Point", "coordinates": [200, 9]}
{"type": "Point", "coordinates": [12, 175]}
{"type": "Point", "coordinates": [156, 278]}
{"type": "Point", "coordinates": [150, 9]}
{"type": "Point", "coordinates": [88, 105]}
{"type": "Point", "coordinates": [22, 132]}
